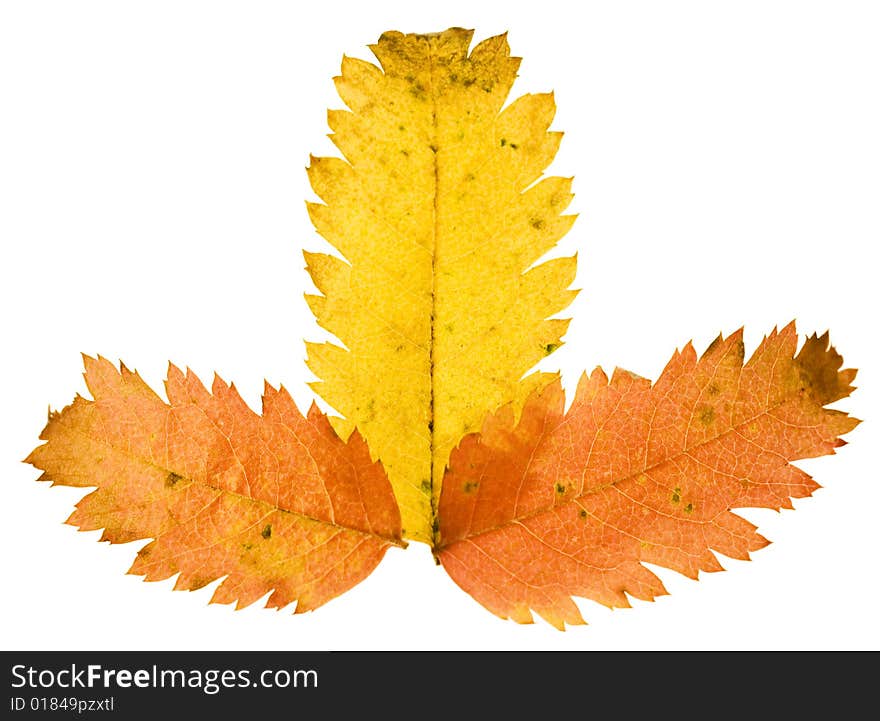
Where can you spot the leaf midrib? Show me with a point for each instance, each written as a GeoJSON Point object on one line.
{"type": "Point", "coordinates": [598, 489]}
{"type": "Point", "coordinates": [148, 462]}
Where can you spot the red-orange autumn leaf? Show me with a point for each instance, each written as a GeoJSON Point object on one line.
{"type": "Point", "coordinates": [570, 504]}
{"type": "Point", "coordinates": [274, 502]}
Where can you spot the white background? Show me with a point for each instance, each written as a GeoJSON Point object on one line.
{"type": "Point", "coordinates": [152, 155]}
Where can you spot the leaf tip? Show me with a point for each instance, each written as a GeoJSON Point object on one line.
{"type": "Point", "coordinates": [819, 365]}
{"type": "Point", "coordinates": [92, 363]}
{"type": "Point", "coordinates": [174, 371]}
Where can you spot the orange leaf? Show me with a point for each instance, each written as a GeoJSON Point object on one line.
{"type": "Point", "coordinates": [570, 504]}
{"type": "Point", "coordinates": [276, 501]}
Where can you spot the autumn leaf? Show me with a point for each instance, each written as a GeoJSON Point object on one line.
{"type": "Point", "coordinates": [274, 502]}
{"type": "Point", "coordinates": [440, 215]}
{"type": "Point", "coordinates": [571, 504]}
{"type": "Point", "coordinates": [430, 210]}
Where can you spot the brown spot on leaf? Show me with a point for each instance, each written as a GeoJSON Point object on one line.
{"type": "Point", "coordinates": [818, 365]}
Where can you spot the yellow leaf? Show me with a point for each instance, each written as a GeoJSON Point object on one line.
{"type": "Point", "coordinates": [438, 217]}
